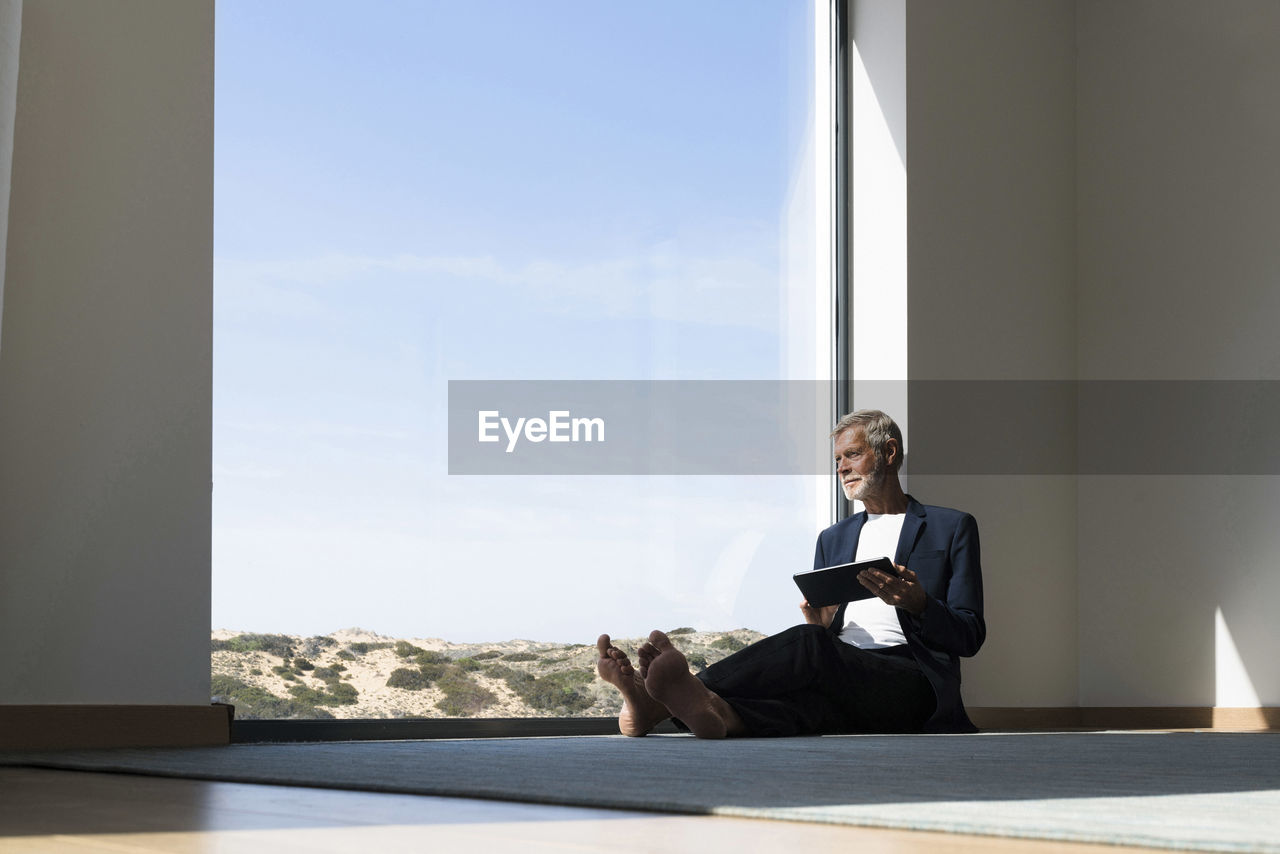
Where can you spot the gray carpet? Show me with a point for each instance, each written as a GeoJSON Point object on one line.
{"type": "Point", "coordinates": [1206, 791]}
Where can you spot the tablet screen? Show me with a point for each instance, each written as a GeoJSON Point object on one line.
{"type": "Point", "coordinates": [833, 585]}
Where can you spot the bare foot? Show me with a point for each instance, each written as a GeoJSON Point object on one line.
{"type": "Point", "coordinates": [640, 712]}
{"type": "Point", "coordinates": [668, 680]}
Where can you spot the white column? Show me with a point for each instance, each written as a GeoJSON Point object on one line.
{"type": "Point", "coordinates": [10, 38]}
{"type": "Point", "coordinates": [878, 206]}
{"type": "Point", "coordinates": [105, 375]}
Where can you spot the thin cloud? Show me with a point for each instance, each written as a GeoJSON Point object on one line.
{"type": "Point", "coordinates": [738, 287]}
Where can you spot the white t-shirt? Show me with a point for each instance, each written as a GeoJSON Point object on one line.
{"type": "Point", "coordinates": [873, 623]}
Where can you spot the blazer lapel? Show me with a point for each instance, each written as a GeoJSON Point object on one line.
{"type": "Point", "coordinates": [912, 528]}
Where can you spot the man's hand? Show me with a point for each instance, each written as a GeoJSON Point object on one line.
{"type": "Point", "coordinates": [818, 616]}
{"type": "Point", "coordinates": [905, 592]}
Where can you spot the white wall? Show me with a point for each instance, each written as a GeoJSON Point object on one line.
{"type": "Point", "coordinates": [1179, 267]}
{"type": "Point", "coordinates": [105, 370]}
{"type": "Point", "coordinates": [1092, 193]}
{"type": "Point", "coordinates": [990, 99]}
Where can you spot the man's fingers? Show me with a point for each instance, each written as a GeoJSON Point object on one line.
{"type": "Point", "coordinates": [901, 591]}
{"type": "Point", "coordinates": [877, 578]}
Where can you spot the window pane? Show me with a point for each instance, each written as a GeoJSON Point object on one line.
{"type": "Point", "coordinates": [412, 193]}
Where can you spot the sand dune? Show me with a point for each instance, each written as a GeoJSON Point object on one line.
{"type": "Point", "coordinates": [272, 676]}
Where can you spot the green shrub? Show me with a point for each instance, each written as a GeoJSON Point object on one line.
{"type": "Point", "coordinates": [404, 649]}
{"type": "Point", "coordinates": [280, 646]}
{"type": "Point", "coordinates": [327, 674]}
{"type": "Point", "coordinates": [557, 692]}
{"type": "Point", "coordinates": [427, 656]}
{"type": "Point", "coordinates": [728, 642]}
{"type": "Point", "coordinates": [520, 656]}
{"type": "Point", "coordinates": [432, 672]}
{"type": "Point", "coordinates": [488, 653]}
{"type": "Point", "coordinates": [255, 671]}
{"type": "Point", "coordinates": [501, 671]}
{"type": "Point", "coordinates": [697, 660]}
{"type": "Point", "coordinates": [408, 678]}
{"type": "Point", "coordinates": [303, 664]}
{"type": "Point", "coordinates": [364, 647]}
{"type": "Point", "coordinates": [312, 647]}
{"type": "Point", "coordinates": [254, 703]}
{"type": "Point", "coordinates": [285, 672]}
{"type": "Point", "coordinates": [304, 694]}
{"type": "Point", "coordinates": [345, 655]}
{"type": "Point", "coordinates": [683, 630]}
{"type": "Point", "coordinates": [468, 664]}
{"type": "Point", "coordinates": [562, 693]}
{"type": "Point", "coordinates": [341, 695]}
{"type": "Point", "coordinates": [573, 677]}
{"type": "Point", "coordinates": [462, 696]}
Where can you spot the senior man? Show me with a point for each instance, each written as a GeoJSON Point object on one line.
{"type": "Point", "coordinates": [888, 663]}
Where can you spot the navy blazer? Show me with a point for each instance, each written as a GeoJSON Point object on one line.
{"type": "Point", "coordinates": [941, 546]}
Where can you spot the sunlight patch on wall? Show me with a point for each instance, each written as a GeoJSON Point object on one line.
{"type": "Point", "coordinates": [1232, 685]}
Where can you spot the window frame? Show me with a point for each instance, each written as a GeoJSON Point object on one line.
{"type": "Point", "coordinates": [379, 729]}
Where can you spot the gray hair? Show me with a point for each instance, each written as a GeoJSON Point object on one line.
{"type": "Point", "coordinates": [877, 429]}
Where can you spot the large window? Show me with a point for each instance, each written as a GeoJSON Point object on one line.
{"type": "Point", "coordinates": [412, 193]}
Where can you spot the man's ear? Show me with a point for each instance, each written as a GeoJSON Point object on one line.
{"type": "Point", "coordinates": [892, 453]}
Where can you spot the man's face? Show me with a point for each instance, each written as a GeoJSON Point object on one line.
{"type": "Point", "coordinates": [861, 474]}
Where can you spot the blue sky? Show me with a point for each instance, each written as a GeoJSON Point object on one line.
{"type": "Point", "coordinates": [408, 193]}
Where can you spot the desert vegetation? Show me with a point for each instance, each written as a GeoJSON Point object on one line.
{"type": "Point", "coordinates": [358, 674]}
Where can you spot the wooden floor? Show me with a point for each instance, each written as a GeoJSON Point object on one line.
{"type": "Point", "coordinates": [46, 811]}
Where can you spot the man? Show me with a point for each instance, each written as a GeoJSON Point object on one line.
{"type": "Point", "coordinates": [889, 663]}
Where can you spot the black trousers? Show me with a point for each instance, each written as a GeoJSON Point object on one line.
{"type": "Point", "coordinates": [806, 681]}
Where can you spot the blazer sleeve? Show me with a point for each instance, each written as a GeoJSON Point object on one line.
{"type": "Point", "coordinates": [954, 623]}
{"type": "Point", "coordinates": [819, 555]}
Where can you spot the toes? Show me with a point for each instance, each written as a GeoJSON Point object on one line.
{"type": "Point", "coordinates": [659, 640]}
{"type": "Point", "coordinates": [603, 644]}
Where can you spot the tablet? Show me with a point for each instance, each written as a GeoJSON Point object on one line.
{"type": "Point", "coordinates": [832, 585]}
